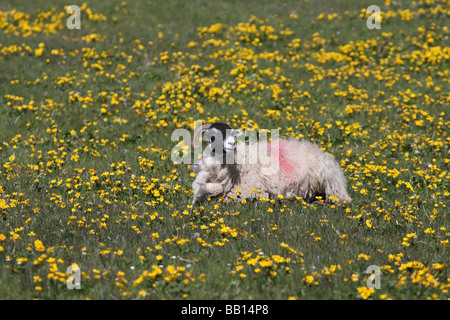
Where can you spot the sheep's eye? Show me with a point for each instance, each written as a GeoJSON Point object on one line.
{"type": "Point", "coordinates": [213, 138]}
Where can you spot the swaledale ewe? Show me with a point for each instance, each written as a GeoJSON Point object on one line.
{"type": "Point", "coordinates": [286, 167]}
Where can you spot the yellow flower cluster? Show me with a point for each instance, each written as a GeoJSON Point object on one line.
{"type": "Point", "coordinates": [21, 24]}
{"type": "Point", "coordinates": [257, 262]}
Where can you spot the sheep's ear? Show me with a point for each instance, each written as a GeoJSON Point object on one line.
{"type": "Point", "coordinates": [237, 133]}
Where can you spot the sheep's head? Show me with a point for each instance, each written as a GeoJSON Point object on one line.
{"type": "Point", "coordinates": [221, 144]}
{"type": "Point", "coordinates": [219, 136]}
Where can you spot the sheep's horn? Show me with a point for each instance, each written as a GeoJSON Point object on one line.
{"type": "Point", "coordinates": [197, 131]}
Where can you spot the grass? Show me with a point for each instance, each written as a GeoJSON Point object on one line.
{"type": "Point", "coordinates": [86, 176]}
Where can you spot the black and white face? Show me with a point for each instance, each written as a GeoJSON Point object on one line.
{"type": "Point", "coordinates": [221, 136]}
{"type": "Point", "coordinates": [229, 144]}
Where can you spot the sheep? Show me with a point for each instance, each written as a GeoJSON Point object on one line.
{"type": "Point", "coordinates": [215, 166]}
{"type": "Point", "coordinates": [290, 167]}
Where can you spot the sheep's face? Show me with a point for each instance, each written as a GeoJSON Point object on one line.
{"type": "Point", "coordinates": [220, 136]}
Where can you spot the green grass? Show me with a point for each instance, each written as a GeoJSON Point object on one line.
{"type": "Point", "coordinates": [86, 176]}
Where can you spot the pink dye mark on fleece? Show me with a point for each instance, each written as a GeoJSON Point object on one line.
{"type": "Point", "coordinates": [280, 151]}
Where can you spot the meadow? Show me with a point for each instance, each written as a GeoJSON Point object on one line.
{"type": "Point", "coordinates": [87, 181]}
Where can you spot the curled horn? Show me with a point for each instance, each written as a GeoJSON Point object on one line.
{"type": "Point", "coordinates": [196, 132]}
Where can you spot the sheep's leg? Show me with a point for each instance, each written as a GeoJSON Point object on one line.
{"type": "Point", "coordinates": [199, 185]}
{"type": "Point", "coordinates": [213, 188]}
{"type": "Point", "coordinates": [223, 174]}
{"type": "Point", "coordinates": [304, 190]}
{"type": "Point", "coordinates": [199, 192]}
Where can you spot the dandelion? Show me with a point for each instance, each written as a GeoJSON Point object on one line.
{"type": "Point", "coordinates": [363, 256]}
{"type": "Point", "coordinates": [365, 292]}
{"type": "Point", "coordinates": [39, 246]}
{"type": "Point", "coordinates": [38, 52]}
{"type": "Point", "coordinates": [308, 279]}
